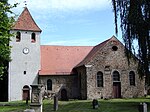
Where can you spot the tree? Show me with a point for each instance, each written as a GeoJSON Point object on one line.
{"type": "Point", "coordinates": [135, 25]}
{"type": "Point", "coordinates": [5, 26]}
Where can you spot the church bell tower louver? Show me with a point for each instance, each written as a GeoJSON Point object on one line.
{"type": "Point", "coordinates": [25, 56]}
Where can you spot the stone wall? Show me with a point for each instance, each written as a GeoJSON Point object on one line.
{"type": "Point", "coordinates": [107, 61]}
{"type": "Point", "coordinates": [59, 82]}
{"type": "Point", "coordinates": [82, 82]}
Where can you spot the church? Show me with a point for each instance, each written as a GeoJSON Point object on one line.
{"type": "Point", "coordinates": [71, 72]}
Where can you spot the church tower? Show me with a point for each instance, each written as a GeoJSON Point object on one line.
{"type": "Point", "coordinates": [25, 56]}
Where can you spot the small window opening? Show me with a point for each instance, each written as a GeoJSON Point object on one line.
{"type": "Point", "coordinates": [49, 84]}
{"type": "Point", "coordinates": [18, 37]}
{"type": "Point", "coordinates": [114, 48]}
{"type": "Point", "coordinates": [33, 39]}
{"type": "Point", "coordinates": [24, 72]}
{"type": "Point", "coordinates": [132, 78]}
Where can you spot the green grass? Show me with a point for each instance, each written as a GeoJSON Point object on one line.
{"type": "Point", "coordinates": [112, 105]}
{"type": "Point", "coordinates": [16, 106]}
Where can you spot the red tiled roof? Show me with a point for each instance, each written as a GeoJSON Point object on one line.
{"type": "Point", "coordinates": [60, 60]}
{"type": "Point", "coordinates": [26, 22]}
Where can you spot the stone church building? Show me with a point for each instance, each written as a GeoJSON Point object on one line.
{"type": "Point", "coordinates": [82, 72]}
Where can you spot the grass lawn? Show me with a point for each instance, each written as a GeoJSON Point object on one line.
{"type": "Point", "coordinates": [16, 106]}
{"type": "Point", "coordinates": [113, 105]}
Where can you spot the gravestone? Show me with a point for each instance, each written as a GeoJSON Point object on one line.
{"type": "Point", "coordinates": [55, 102]}
{"type": "Point", "coordinates": [145, 107]}
{"type": "Point", "coordinates": [36, 98]}
{"type": "Point", "coordinates": [95, 104]}
{"type": "Point", "coordinates": [142, 107]}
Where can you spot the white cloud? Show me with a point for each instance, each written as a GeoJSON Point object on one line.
{"type": "Point", "coordinates": [45, 12]}
{"type": "Point", "coordinates": [63, 5]}
{"type": "Point", "coordinates": [78, 4]}
{"type": "Point", "coordinates": [54, 8]}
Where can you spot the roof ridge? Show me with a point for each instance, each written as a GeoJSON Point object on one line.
{"type": "Point", "coordinates": [64, 46]}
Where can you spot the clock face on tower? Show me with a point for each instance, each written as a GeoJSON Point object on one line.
{"type": "Point", "coordinates": [26, 50]}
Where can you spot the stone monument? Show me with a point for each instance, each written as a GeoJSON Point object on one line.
{"type": "Point", "coordinates": [36, 98]}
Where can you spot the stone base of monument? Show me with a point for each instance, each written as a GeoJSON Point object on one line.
{"type": "Point", "coordinates": [36, 98]}
{"type": "Point", "coordinates": [36, 107]}
{"type": "Point", "coordinates": [29, 110]}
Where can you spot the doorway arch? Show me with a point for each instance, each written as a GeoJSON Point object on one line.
{"type": "Point", "coordinates": [64, 96]}
{"type": "Point", "coordinates": [26, 92]}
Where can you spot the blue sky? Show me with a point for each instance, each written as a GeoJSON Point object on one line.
{"type": "Point", "coordinates": [71, 22]}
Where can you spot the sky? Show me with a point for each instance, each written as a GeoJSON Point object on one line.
{"type": "Point", "coordinates": [71, 22]}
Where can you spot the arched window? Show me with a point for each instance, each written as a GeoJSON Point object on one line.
{"type": "Point", "coordinates": [99, 79]}
{"type": "Point", "coordinates": [132, 78]}
{"type": "Point", "coordinates": [116, 76]}
{"type": "Point", "coordinates": [33, 38]}
{"type": "Point", "coordinates": [49, 84]}
{"type": "Point", "coordinates": [18, 37]}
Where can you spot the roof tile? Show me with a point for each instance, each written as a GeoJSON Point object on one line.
{"type": "Point", "coordinates": [60, 60]}
{"type": "Point", "coordinates": [26, 22]}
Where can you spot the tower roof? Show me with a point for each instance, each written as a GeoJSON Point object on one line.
{"type": "Point", "coordinates": [26, 22]}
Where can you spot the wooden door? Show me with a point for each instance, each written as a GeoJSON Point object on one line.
{"type": "Point", "coordinates": [117, 89]}
{"type": "Point", "coordinates": [26, 93]}
{"type": "Point", "coordinates": [64, 96]}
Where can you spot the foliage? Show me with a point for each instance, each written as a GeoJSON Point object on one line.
{"type": "Point", "coordinates": [135, 25]}
{"type": "Point", "coordinates": [5, 26]}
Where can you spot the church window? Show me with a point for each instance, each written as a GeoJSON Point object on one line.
{"type": "Point", "coordinates": [116, 76]}
{"type": "Point", "coordinates": [114, 48]}
{"type": "Point", "coordinates": [99, 79]}
{"type": "Point", "coordinates": [24, 72]}
{"type": "Point", "coordinates": [132, 78]}
{"type": "Point", "coordinates": [33, 39]}
{"type": "Point", "coordinates": [18, 37]}
{"type": "Point", "coordinates": [49, 84]}
{"type": "Point", "coordinates": [80, 79]}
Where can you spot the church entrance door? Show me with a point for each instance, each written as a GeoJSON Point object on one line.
{"type": "Point", "coordinates": [117, 89]}
{"type": "Point", "coordinates": [26, 93]}
{"type": "Point", "coordinates": [64, 96]}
